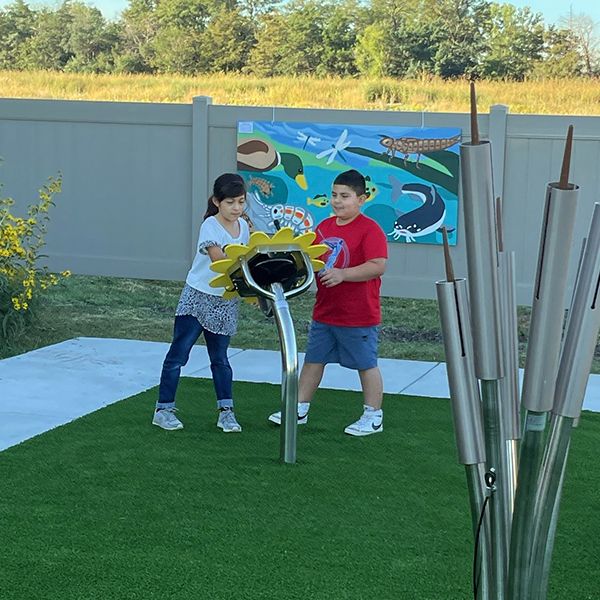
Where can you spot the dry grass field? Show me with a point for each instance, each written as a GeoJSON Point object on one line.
{"type": "Point", "coordinates": [564, 96]}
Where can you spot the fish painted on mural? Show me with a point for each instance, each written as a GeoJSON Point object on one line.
{"type": "Point", "coordinates": [425, 219]}
{"type": "Point", "coordinates": [413, 145]}
{"type": "Point", "coordinates": [320, 201]}
{"type": "Point", "coordinates": [370, 189]}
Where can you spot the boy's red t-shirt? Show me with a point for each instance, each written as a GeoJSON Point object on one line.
{"type": "Point", "coordinates": [350, 304]}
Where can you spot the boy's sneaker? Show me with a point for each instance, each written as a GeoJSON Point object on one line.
{"type": "Point", "coordinates": [276, 418]}
{"type": "Point", "coordinates": [165, 418]}
{"type": "Point", "coordinates": [227, 422]}
{"type": "Point", "coordinates": [370, 422]}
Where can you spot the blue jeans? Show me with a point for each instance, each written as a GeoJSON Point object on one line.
{"type": "Point", "coordinates": [186, 332]}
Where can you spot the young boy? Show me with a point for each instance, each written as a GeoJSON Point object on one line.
{"type": "Point", "coordinates": [347, 310]}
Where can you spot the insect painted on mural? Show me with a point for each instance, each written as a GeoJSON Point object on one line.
{"type": "Point", "coordinates": [296, 217]}
{"type": "Point", "coordinates": [287, 215]}
{"type": "Point", "coordinates": [264, 186]}
{"type": "Point", "coordinates": [412, 145]}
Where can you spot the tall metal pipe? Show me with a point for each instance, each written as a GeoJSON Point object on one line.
{"type": "Point", "coordinates": [289, 379]}
{"type": "Point", "coordinates": [509, 385]}
{"type": "Point", "coordinates": [482, 258]}
{"type": "Point", "coordinates": [541, 366]}
{"type": "Point", "coordinates": [466, 410]}
{"type": "Point", "coordinates": [576, 360]}
{"type": "Point", "coordinates": [482, 263]}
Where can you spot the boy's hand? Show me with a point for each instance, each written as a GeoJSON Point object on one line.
{"type": "Point", "coordinates": [332, 277]}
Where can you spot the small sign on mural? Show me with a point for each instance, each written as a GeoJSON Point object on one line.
{"type": "Point", "coordinates": [411, 174]}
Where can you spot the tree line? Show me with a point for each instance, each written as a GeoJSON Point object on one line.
{"type": "Point", "coordinates": [378, 38]}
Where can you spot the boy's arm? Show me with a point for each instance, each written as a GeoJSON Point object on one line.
{"type": "Point", "coordinates": [368, 270]}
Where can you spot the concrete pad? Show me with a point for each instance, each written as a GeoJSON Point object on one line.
{"type": "Point", "coordinates": [54, 385]}
{"type": "Point", "coordinates": [591, 400]}
{"type": "Point", "coordinates": [51, 386]}
{"type": "Point", "coordinates": [434, 383]}
{"type": "Point", "coordinates": [16, 428]}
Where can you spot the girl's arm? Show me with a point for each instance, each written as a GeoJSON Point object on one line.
{"type": "Point", "coordinates": [215, 253]}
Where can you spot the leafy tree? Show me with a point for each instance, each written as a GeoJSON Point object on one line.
{"type": "Point", "coordinates": [584, 32]}
{"type": "Point", "coordinates": [138, 27]}
{"type": "Point", "coordinates": [339, 38]}
{"type": "Point", "coordinates": [515, 42]}
{"type": "Point", "coordinates": [17, 25]}
{"type": "Point", "coordinates": [90, 40]}
{"type": "Point", "coordinates": [48, 47]}
{"type": "Point", "coordinates": [457, 24]}
{"type": "Point", "coordinates": [560, 57]}
{"type": "Point", "coordinates": [303, 45]}
{"type": "Point", "coordinates": [370, 51]}
{"type": "Point", "coordinates": [226, 42]}
{"type": "Point", "coordinates": [176, 50]}
{"type": "Point", "coordinates": [267, 54]}
{"type": "Point", "coordinates": [256, 8]}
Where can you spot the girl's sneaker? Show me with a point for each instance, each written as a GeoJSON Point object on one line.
{"type": "Point", "coordinates": [165, 418]}
{"type": "Point", "coordinates": [227, 422]}
{"type": "Point", "coordinates": [276, 418]}
{"type": "Point", "coordinates": [370, 422]}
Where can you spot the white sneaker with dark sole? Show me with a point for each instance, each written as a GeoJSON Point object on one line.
{"type": "Point", "coordinates": [227, 422]}
{"type": "Point", "coordinates": [368, 424]}
{"type": "Point", "coordinates": [276, 418]}
{"type": "Point", "coordinates": [166, 419]}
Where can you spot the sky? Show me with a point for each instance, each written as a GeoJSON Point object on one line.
{"type": "Point", "coordinates": [551, 9]}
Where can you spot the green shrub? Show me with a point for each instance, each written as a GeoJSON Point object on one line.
{"type": "Point", "coordinates": [22, 279]}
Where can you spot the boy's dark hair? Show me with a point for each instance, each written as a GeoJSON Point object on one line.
{"type": "Point", "coordinates": [228, 185]}
{"type": "Point", "coordinates": [354, 180]}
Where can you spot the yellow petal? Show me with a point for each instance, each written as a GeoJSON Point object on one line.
{"type": "Point", "coordinates": [221, 281]}
{"type": "Point", "coordinates": [284, 236]}
{"type": "Point", "coordinates": [317, 250]}
{"type": "Point", "coordinates": [234, 251]}
{"type": "Point", "coordinates": [317, 264]}
{"type": "Point", "coordinates": [221, 266]}
{"type": "Point", "coordinates": [229, 294]}
{"type": "Point", "coordinates": [305, 240]}
{"type": "Point", "coordinates": [250, 299]}
{"type": "Point", "coordinates": [258, 237]}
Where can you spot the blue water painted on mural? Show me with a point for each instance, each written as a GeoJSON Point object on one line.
{"type": "Point", "coordinates": [412, 175]}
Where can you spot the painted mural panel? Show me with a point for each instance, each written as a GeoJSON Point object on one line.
{"type": "Point", "coordinates": [411, 173]}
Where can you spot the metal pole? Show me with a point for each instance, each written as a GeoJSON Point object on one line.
{"type": "Point", "coordinates": [509, 385]}
{"type": "Point", "coordinates": [289, 382]}
{"type": "Point", "coordinates": [466, 412]}
{"type": "Point", "coordinates": [494, 449]}
{"type": "Point", "coordinates": [475, 477]}
{"type": "Point", "coordinates": [576, 360]}
{"type": "Point", "coordinates": [541, 367]}
{"type": "Point", "coordinates": [542, 587]}
{"type": "Point", "coordinates": [482, 262]}
{"type": "Point", "coordinates": [547, 501]}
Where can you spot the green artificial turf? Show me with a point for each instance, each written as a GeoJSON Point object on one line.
{"type": "Point", "coordinates": [109, 507]}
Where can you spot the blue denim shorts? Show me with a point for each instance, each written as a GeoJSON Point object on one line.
{"type": "Point", "coordinates": [351, 347]}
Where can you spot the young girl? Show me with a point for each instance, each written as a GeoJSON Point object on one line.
{"type": "Point", "coordinates": [201, 308]}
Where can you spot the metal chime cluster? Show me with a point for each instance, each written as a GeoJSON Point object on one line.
{"type": "Point", "coordinates": [515, 449]}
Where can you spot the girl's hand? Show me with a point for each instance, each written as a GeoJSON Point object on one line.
{"type": "Point", "coordinates": [332, 277]}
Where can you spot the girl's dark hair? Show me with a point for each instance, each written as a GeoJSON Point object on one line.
{"type": "Point", "coordinates": [228, 185]}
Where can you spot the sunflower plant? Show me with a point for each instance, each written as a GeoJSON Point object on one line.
{"type": "Point", "coordinates": [22, 279]}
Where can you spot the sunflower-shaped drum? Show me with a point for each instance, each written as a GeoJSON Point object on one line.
{"type": "Point", "coordinates": [250, 271]}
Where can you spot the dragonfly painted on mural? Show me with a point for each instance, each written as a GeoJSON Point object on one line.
{"type": "Point", "coordinates": [309, 140]}
{"type": "Point", "coordinates": [332, 153]}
